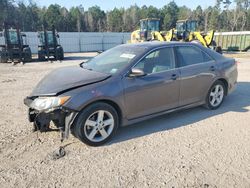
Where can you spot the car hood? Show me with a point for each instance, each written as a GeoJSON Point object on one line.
{"type": "Point", "coordinates": [65, 79]}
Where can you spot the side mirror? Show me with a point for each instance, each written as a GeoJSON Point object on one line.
{"type": "Point", "coordinates": [136, 73]}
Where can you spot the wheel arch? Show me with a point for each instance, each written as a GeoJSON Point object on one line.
{"type": "Point", "coordinates": [225, 82]}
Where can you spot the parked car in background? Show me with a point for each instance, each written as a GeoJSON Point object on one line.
{"type": "Point", "coordinates": [128, 84]}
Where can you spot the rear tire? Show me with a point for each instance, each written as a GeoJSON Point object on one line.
{"type": "Point", "coordinates": [62, 56]}
{"type": "Point", "coordinates": [27, 55]}
{"type": "Point", "coordinates": [219, 49]}
{"type": "Point", "coordinates": [215, 95]}
{"type": "Point", "coordinates": [96, 124]}
{"type": "Point", "coordinates": [41, 57]}
{"type": "Point", "coordinates": [3, 58]}
{"type": "Point", "coordinates": [214, 47]}
{"type": "Point", "coordinates": [59, 54]}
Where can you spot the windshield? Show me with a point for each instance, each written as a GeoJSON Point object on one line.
{"type": "Point", "coordinates": [150, 25]}
{"type": "Point", "coordinates": [13, 37]}
{"type": "Point", "coordinates": [113, 60]}
{"type": "Point", "coordinates": [144, 26]}
{"type": "Point", "coordinates": [180, 26]}
{"type": "Point", "coordinates": [49, 38]}
{"type": "Point", "coordinates": [191, 26]}
{"type": "Point", "coordinates": [154, 25]}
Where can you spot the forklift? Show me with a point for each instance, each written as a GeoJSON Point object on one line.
{"type": "Point", "coordinates": [49, 46]}
{"type": "Point", "coordinates": [14, 48]}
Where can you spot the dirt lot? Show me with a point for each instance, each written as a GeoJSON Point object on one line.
{"type": "Point", "coordinates": [192, 148]}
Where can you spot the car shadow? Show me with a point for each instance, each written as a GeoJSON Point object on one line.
{"type": "Point", "coordinates": [238, 101]}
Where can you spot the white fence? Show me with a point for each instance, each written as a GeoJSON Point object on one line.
{"type": "Point", "coordinates": [81, 42]}
{"type": "Point", "coordinates": [90, 41]}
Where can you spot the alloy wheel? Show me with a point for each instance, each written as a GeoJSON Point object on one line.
{"type": "Point", "coordinates": [99, 126]}
{"type": "Point", "coordinates": [216, 95]}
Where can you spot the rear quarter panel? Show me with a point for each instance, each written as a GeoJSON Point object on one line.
{"type": "Point", "coordinates": [228, 71]}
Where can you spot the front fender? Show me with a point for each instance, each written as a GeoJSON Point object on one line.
{"type": "Point", "coordinates": [82, 97]}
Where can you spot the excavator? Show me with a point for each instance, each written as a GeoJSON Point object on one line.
{"type": "Point", "coordinates": [186, 30]}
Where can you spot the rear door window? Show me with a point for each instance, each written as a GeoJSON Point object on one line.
{"type": "Point", "coordinates": [188, 55]}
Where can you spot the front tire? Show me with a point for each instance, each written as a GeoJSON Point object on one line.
{"type": "Point", "coordinates": [216, 95]}
{"type": "Point", "coordinates": [3, 57]}
{"type": "Point", "coordinates": [27, 55]}
{"type": "Point", "coordinates": [96, 124]}
{"type": "Point", "coordinates": [41, 57]}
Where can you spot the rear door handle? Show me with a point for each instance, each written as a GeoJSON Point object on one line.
{"type": "Point", "coordinates": [212, 68]}
{"type": "Point", "coordinates": [174, 76]}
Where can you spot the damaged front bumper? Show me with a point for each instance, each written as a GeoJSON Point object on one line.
{"type": "Point", "coordinates": [62, 118]}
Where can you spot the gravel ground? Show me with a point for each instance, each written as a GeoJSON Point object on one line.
{"type": "Point", "coordinates": [192, 148]}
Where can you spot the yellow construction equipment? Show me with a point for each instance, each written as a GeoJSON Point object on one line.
{"type": "Point", "coordinates": [147, 26]}
{"type": "Point", "coordinates": [186, 30]}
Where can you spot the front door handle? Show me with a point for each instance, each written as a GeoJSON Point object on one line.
{"type": "Point", "coordinates": [212, 68]}
{"type": "Point", "coordinates": [174, 76]}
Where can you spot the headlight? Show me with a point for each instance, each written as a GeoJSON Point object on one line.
{"type": "Point", "coordinates": [47, 103]}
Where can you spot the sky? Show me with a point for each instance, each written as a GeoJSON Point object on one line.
{"type": "Point", "coordinates": [110, 4]}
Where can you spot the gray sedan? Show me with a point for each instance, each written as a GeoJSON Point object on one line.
{"type": "Point", "coordinates": [128, 84]}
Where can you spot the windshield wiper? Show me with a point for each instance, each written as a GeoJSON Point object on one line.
{"type": "Point", "coordinates": [81, 65]}
{"type": "Point", "coordinates": [88, 68]}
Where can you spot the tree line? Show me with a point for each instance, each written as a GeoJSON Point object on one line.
{"type": "Point", "coordinates": [225, 15]}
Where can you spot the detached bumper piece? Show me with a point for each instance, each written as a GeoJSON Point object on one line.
{"type": "Point", "coordinates": [62, 118]}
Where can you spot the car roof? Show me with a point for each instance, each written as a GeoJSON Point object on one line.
{"type": "Point", "coordinates": [155, 44]}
